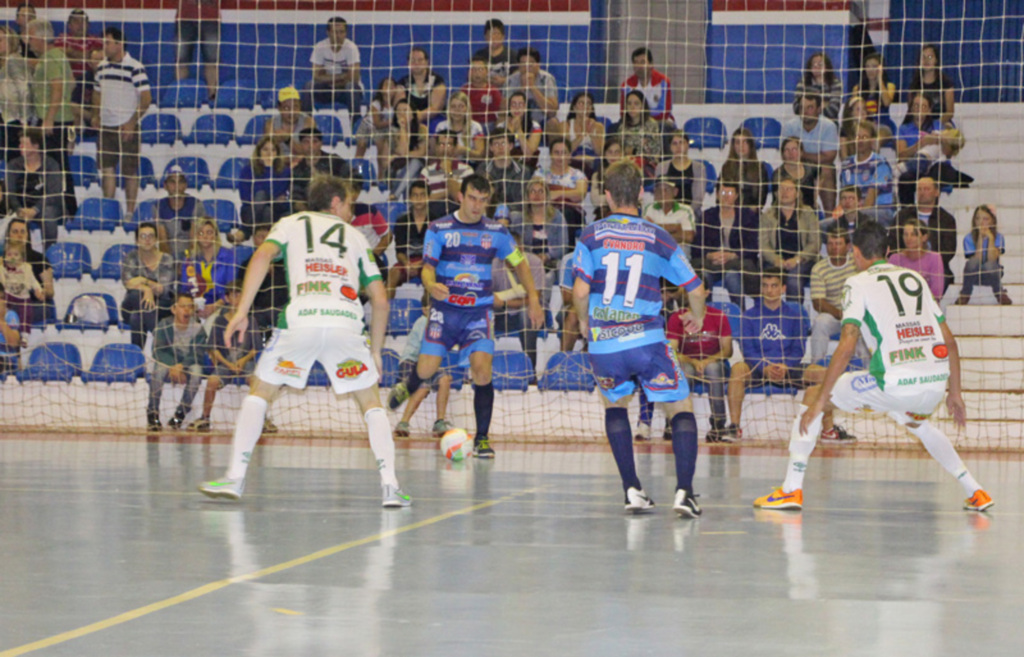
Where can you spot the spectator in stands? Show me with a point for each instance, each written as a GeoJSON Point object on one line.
{"type": "Point", "coordinates": [878, 93]}
{"type": "Point", "coordinates": [674, 216]}
{"type": "Point", "coordinates": [440, 382]}
{"type": "Point", "coordinates": [10, 336]}
{"type": "Point", "coordinates": [794, 168]}
{"type": "Point", "coordinates": [36, 186]}
{"type": "Point", "coordinates": [425, 88]}
{"type": "Point", "coordinates": [524, 131]}
{"type": "Point", "coordinates": [410, 229]}
{"type": "Point", "coordinates": [208, 268]}
{"type": "Point", "coordinates": [828, 277]}
{"type": "Point", "coordinates": [538, 86]}
{"type": "Point", "coordinates": [568, 186]}
{"type": "Point", "coordinates": [819, 78]}
{"type": "Point", "coordinates": [612, 154]}
{"type": "Point", "coordinates": [19, 282]}
{"type": "Point", "coordinates": [408, 148]}
{"type": "Point", "coordinates": [653, 84]}
{"type": "Point", "coordinates": [17, 233]}
{"type": "Point", "coordinates": [983, 247]}
{"type": "Point", "coordinates": [199, 22]}
{"type": "Point", "coordinates": [820, 140]}
{"type": "Point", "coordinates": [264, 185]}
{"type": "Point", "coordinates": [51, 88]}
{"type": "Point", "coordinates": [847, 213]}
{"type": "Point", "coordinates": [639, 133]}
{"type": "Point", "coordinates": [871, 174]}
{"type": "Point", "coordinates": [583, 131]}
{"type": "Point", "coordinates": [921, 143]}
{"type": "Point", "coordinates": [508, 176]}
{"type": "Point", "coordinates": [915, 255]}
{"type": "Point", "coordinates": [854, 111]}
{"type": "Point", "coordinates": [290, 120]}
{"type": "Point", "coordinates": [16, 109]}
{"type": "Point", "coordinates": [376, 126]}
{"type": "Point", "coordinates": [484, 97]}
{"type": "Point", "coordinates": [177, 214]}
{"type": "Point", "coordinates": [742, 165]}
{"type": "Point", "coordinates": [336, 68]}
{"type": "Point", "coordinates": [510, 315]}
{"type": "Point", "coordinates": [121, 99]}
{"type": "Point", "coordinates": [690, 176]}
{"type": "Point", "coordinates": [445, 172]}
{"type": "Point", "coordinates": [500, 59]}
{"type": "Point", "coordinates": [541, 229]}
{"type": "Point", "coordinates": [178, 346]}
{"type": "Point", "coordinates": [313, 160]}
{"type": "Point", "coordinates": [941, 225]}
{"type": "Point", "coordinates": [84, 53]}
{"type": "Point", "coordinates": [272, 296]}
{"type": "Point", "coordinates": [25, 14]}
{"type": "Point", "coordinates": [790, 239]}
{"type": "Point", "coordinates": [726, 247]}
{"type": "Point", "coordinates": [470, 144]}
{"type": "Point", "coordinates": [772, 341]}
{"type": "Point", "coordinates": [938, 87]}
{"type": "Point", "coordinates": [148, 276]}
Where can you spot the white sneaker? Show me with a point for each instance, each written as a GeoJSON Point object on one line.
{"type": "Point", "coordinates": [685, 504]}
{"type": "Point", "coordinates": [643, 432]}
{"type": "Point", "coordinates": [394, 498]}
{"type": "Point", "coordinates": [637, 500]}
{"type": "Point", "coordinates": [230, 489]}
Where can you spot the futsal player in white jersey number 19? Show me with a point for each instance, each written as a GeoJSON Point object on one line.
{"type": "Point", "coordinates": [913, 357]}
{"type": "Point", "coordinates": [327, 262]}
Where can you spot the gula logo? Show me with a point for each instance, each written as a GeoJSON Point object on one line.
{"type": "Point", "coordinates": [940, 351]}
{"type": "Point", "coordinates": [350, 369]}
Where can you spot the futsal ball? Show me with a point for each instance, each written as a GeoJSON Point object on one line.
{"type": "Point", "coordinates": [456, 444]}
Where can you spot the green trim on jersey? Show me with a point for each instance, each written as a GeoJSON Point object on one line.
{"type": "Point", "coordinates": [851, 320]}
{"type": "Point", "coordinates": [280, 248]}
{"type": "Point", "coordinates": [877, 363]}
{"type": "Point", "coordinates": [282, 318]}
{"type": "Point", "coordinates": [365, 280]}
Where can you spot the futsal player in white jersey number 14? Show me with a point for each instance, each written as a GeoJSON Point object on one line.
{"type": "Point", "coordinates": [913, 357]}
{"type": "Point", "coordinates": [327, 262]}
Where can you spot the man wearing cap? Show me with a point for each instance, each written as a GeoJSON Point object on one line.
{"type": "Point", "coordinates": [674, 216]}
{"type": "Point", "coordinates": [121, 97]}
{"type": "Point", "coordinates": [177, 214]}
{"type": "Point", "coordinates": [84, 53]}
{"type": "Point", "coordinates": [290, 120]}
{"type": "Point", "coordinates": [309, 149]}
{"type": "Point", "coordinates": [335, 63]}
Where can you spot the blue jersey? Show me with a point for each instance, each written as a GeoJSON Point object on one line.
{"type": "Point", "coordinates": [462, 255]}
{"type": "Point", "coordinates": [623, 258]}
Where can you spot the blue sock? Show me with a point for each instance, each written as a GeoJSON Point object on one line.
{"type": "Point", "coordinates": [684, 444]}
{"type": "Point", "coordinates": [483, 406]}
{"type": "Point", "coordinates": [620, 437]}
{"type": "Point", "coordinates": [646, 409]}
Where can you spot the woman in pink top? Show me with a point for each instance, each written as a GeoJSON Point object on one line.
{"type": "Point", "coordinates": [915, 255]}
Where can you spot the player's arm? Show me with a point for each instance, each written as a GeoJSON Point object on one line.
{"type": "Point", "coordinates": [436, 290]}
{"type": "Point", "coordinates": [581, 303]}
{"type": "Point", "coordinates": [257, 270]}
{"type": "Point", "coordinates": [525, 276]}
{"type": "Point", "coordinates": [848, 338]}
{"type": "Point", "coordinates": [379, 320]}
{"type": "Point", "coordinates": [954, 400]}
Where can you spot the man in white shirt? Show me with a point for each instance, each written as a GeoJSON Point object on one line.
{"type": "Point", "coordinates": [335, 63]}
{"type": "Point", "coordinates": [122, 96]}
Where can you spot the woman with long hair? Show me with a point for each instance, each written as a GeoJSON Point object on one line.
{"type": "Point", "coordinates": [469, 134]}
{"type": "Point", "coordinates": [921, 141]}
{"type": "Point", "coordinates": [583, 131]}
{"type": "Point", "coordinates": [878, 94]}
{"type": "Point", "coordinates": [689, 175]}
{"type": "Point", "coordinates": [541, 227]}
{"type": "Point", "coordinates": [983, 247]}
{"type": "Point", "coordinates": [819, 77]}
{"type": "Point", "coordinates": [376, 126]}
{"type": "Point", "coordinates": [264, 184]}
{"type": "Point", "coordinates": [207, 269]}
{"type": "Point", "coordinates": [932, 82]}
{"type": "Point", "coordinates": [916, 256]}
{"type": "Point", "coordinates": [794, 168]}
{"type": "Point", "coordinates": [524, 132]}
{"type": "Point", "coordinates": [854, 111]}
{"type": "Point", "coordinates": [148, 277]}
{"type": "Point", "coordinates": [408, 147]}
{"type": "Point", "coordinates": [568, 186]}
{"type": "Point", "coordinates": [640, 135]}
{"type": "Point", "coordinates": [750, 173]}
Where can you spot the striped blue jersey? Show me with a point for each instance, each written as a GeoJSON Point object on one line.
{"type": "Point", "coordinates": [462, 254]}
{"type": "Point", "coordinates": [623, 258]}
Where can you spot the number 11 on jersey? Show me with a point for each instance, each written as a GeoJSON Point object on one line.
{"type": "Point", "coordinates": [635, 263]}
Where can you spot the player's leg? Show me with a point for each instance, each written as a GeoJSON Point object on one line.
{"type": "Point", "coordinates": [426, 365]}
{"type": "Point", "coordinates": [193, 379]}
{"type": "Point", "coordinates": [614, 375]}
{"type": "Point", "coordinates": [417, 398]}
{"type": "Point", "coordinates": [382, 444]}
{"type": "Point", "coordinates": [942, 450]}
{"type": "Point", "coordinates": [790, 496]}
{"type": "Point", "coordinates": [643, 427]}
{"type": "Point", "coordinates": [739, 379]}
{"type": "Point", "coordinates": [481, 364]}
{"type": "Point", "coordinates": [213, 384]}
{"type": "Point", "coordinates": [156, 390]}
{"type": "Point", "coordinates": [444, 388]}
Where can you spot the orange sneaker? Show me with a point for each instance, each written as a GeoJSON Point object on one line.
{"type": "Point", "coordinates": [781, 501]}
{"type": "Point", "coordinates": [980, 501]}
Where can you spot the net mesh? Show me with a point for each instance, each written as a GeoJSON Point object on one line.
{"type": "Point", "coordinates": [732, 65]}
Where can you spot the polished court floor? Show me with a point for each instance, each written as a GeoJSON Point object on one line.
{"type": "Point", "coordinates": [106, 549]}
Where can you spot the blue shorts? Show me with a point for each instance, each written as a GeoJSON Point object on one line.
{"type": "Point", "coordinates": [653, 366]}
{"type": "Point", "coordinates": [469, 329]}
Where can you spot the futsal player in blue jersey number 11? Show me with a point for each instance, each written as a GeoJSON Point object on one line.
{"type": "Point", "coordinates": [619, 263]}
{"type": "Point", "coordinates": [457, 254]}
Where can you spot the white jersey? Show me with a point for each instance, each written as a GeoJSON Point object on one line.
{"type": "Point", "coordinates": [326, 262]}
{"type": "Point", "coordinates": [899, 320]}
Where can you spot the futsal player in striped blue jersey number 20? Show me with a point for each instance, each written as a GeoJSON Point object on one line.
{"type": "Point", "coordinates": [619, 263]}
{"type": "Point", "coordinates": [457, 254]}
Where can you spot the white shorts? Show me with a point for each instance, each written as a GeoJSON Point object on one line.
{"type": "Point", "coordinates": [859, 391]}
{"type": "Point", "coordinates": [345, 356]}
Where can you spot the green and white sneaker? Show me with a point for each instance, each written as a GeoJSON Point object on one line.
{"type": "Point", "coordinates": [397, 395]}
{"type": "Point", "coordinates": [440, 427]}
{"type": "Point", "coordinates": [394, 498]}
{"type": "Point", "coordinates": [402, 430]}
{"type": "Point", "coordinates": [230, 489]}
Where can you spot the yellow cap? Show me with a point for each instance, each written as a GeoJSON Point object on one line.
{"type": "Point", "coordinates": [288, 93]}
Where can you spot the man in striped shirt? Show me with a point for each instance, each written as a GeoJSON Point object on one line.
{"type": "Point", "coordinates": [120, 99]}
{"type": "Point", "coordinates": [828, 276]}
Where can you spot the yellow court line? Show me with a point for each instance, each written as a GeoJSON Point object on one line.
{"type": "Point", "coordinates": [224, 583]}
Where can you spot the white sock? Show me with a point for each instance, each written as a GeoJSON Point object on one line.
{"type": "Point", "coordinates": [382, 444]}
{"type": "Point", "coordinates": [800, 448]}
{"type": "Point", "coordinates": [248, 428]}
{"type": "Point", "coordinates": [938, 445]}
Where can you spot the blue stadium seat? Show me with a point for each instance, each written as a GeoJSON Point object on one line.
{"type": "Point", "coordinates": [147, 177]}
{"type": "Point", "coordinates": [212, 129]}
{"type": "Point", "coordinates": [403, 314]}
{"type": "Point", "coordinates": [512, 371]}
{"type": "Point", "coordinates": [73, 322]}
{"type": "Point", "coordinates": [184, 93]}
{"type": "Point", "coordinates": [392, 210]}
{"type": "Point", "coordinates": [567, 371]}
{"type": "Point", "coordinates": [110, 263]}
{"type": "Point", "coordinates": [706, 132]}
{"type": "Point", "coordinates": [390, 361]}
{"type": "Point", "coordinates": [159, 128]}
{"type": "Point", "coordinates": [49, 315]}
{"type": "Point", "coordinates": [69, 260]}
{"type": "Point", "coordinates": [224, 211]}
{"type": "Point", "coordinates": [116, 363]}
{"type": "Point", "coordinates": [366, 170]}
{"type": "Point", "coordinates": [52, 361]}
{"type": "Point", "coordinates": [331, 128]}
{"type": "Point", "coordinates": [144, 211]}
{"type": "Point", "coordinates": [96, 214]}
{"type": "Point", "coordinates": [767, 131]}
{"type": "Point", "coordinates": [711, 176]}
{"type": "Point", "coordinates": [253, 130]}
{"type": "Point", "coordinates": [197, 171]}
{"type": "Point", "coordinates": [84, 170]}
{"type": "Point", "coordinates": [732, 313]}
{"type": "Point", "coordinates": [230, 173]}
{"type": "Point", "coordinates": [241, 253]}
{"type": "Point", "coordinates": [237, 93]}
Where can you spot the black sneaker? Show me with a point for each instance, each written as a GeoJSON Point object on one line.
{"type": "Point", "coordinates": [482, 448]}
{"type": "Point", "coordinates": [153, 422]}
{"type": "Point", "coordinates": [178, 419]}
{"type": "Point", "coordinates": [837, 434]}
{"type": "Point", "coordinates": [685, 504]}
{"type": "Point", "coordinates": [719, 433]}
